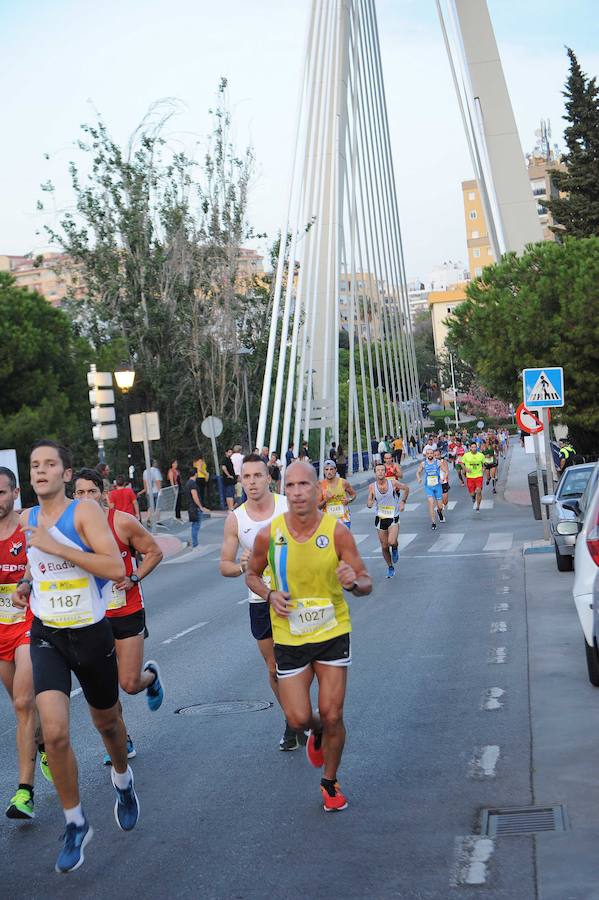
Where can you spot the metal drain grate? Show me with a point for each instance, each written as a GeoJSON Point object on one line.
{"type": "Point", "coordinates": [523, 820]}
{"type": "Point", "coordinates": [223, 709]}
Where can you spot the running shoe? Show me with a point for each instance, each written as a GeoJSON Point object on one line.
{"type": "Point", "coordinates": [155, 692]}
{"type": "Point", "coordinates": [434, 526]}
{"type": "Point", "coordinates": [395, 554]}
{"type": "Point", "coordinates": [76, 837]}
{"type": "Point", "coordinates": [476, 508]}
{"type": "Point", "coordinates": [126, 807]}
{"type": "Point", "coordinates": [333, 800]}
{"type": "Point", "coordinates": [441, 515]}
{"type": "Point", "coordinates": [44, 767]}
{"type": "Point", "coordinates": [314, 749]}
{"type": "Point", "coordinates": [390, 572]}
{"type": "Point", "coordinates": [291, 739]}
{"type": "Point", "coordinates": [494, 491]}
{"type": "Point", "coordinates": [131, 752]}
{"type": "Point", "coordinates": [21, 805]}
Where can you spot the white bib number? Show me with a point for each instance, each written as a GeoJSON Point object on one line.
{"type": "Point", "coordinates": [9, 614]}
{"type": "Point", "coordinates": [336, 509]}
{"type": "Point", "coordinates": [312, 614]}
{"type": "Point", "coordinates": [432, 480]}
{"type": "Point", "coordinates": [65, 604]}
{"type": "Point", "coordinates": [386, 512]}
{"type": "Point", "coordinates": [118, 598]}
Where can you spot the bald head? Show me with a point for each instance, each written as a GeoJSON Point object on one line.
{"type": "Point", "coordinates": [300, 470]}
{"type": "Point", "coordinates": [301, 489]}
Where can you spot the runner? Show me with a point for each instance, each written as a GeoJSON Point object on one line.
{"type": "Point", "coordinates": [385, 492]}
{"type": "Point", "coordinates": [473, 464]}
{"type": "Point", "coordinates": [459, 449]}
{"type": "Point", "coordinates": [241, 528]}
{"type": "Point", "coordinates": [489, 451]}
{"type": "Point", "coordinates": [312, 558]}
{"type": "Point", "coordinates": [444, 476]}
{"type": "Point", "coordinates": [124, 598]}
{"type": "Point", "coordinates": [336, 494]}
{"type": "Point", "coordinates": [432, 485]}
{"type": "Point", "coordinates": [15, 660]}
{"type": "Point", "coordinates": [392, 469]}
{"type": "Point", "coordinates": [70, 553]}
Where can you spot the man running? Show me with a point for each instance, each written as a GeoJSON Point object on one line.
{"type": "Point", "coordinates": [124, 598]}
{"type": "Point", "coordinates": [336, 494]}
{"type": "Point", "coordinates": [386, 494]}
{"type": "Point", "coordinates": [444, 476]}
{"type": "Point", "coordinates": [70, 554]}
{"type": "Point", "coordinates": [15, 662]}
{"type": "Point", "coordinates": [459, 451]}
{"type": "Point", "coordinates": [433, 491]}
{"type": "Point", "coordinates": [392, 469]}
{"type": "Point", "coordinates": [473, 462]}
{"type": "Point", "coordinates": [489, 451]}
{"type": "Point", "coordinates": [241, 527]}
{"type": "Point", "coordinates": [312, 558]}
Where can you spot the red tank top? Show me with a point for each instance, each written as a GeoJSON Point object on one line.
{"type": "Point", "coordinates": [13, 561]}
{"type": "Point", "coordinates": [134, 597]}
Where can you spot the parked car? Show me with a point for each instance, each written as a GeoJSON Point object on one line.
{"type": "Point", "coordinates": [586, 567]}
{"type": "Point", "coordinates": [571, 487]}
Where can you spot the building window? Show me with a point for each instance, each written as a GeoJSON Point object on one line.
{"type": "Point", "coordinates": [473, 214]}
{"type": "Point", "coordinates": [472, 195]}
{"type": "Point", "coordinates": [475, 234]}
{"type": "Point", "coordinates": [478, 271]}
{"type": "Point", "coordinates": [476, 252]}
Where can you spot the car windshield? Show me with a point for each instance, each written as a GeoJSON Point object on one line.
{"type": "Point", "coordinates": [574, 483]}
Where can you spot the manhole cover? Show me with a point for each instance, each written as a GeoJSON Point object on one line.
{"type": "Point", "coordinates": [224, 709]}
{"type": "Point", "coordinates": [523, 820]}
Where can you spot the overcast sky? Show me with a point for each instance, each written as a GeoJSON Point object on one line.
{"type": "Point", "coordinates": [62, 60]}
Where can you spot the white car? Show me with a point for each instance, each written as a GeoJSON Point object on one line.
{"type": "Point", "coordinates": [586, 568]}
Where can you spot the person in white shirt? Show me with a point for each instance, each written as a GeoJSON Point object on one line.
{"type": "Point", "coordinates": [237, 460]}
{"type": "Point", "coordinates": [152, 484]}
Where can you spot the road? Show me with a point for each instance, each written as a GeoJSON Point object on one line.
{"type": "Point", "coordinates": [438, 720]}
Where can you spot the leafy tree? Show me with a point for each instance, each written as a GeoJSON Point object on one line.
{"type": "Point", "coordinates": [43, 385]}
{"type": "Point", "coordinates": [538, 309]}
{"type": "Point", "coordinates": [578, 212]}
{"type": "Point", "coordinates": [424, 347]}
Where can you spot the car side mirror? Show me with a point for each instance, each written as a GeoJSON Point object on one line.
{"type": "Point", "coordinates": [548, 499]}
{"type": "Point", "coordinates": [568, 527]}
{"type": "Point", "coordinates": [572, 505]}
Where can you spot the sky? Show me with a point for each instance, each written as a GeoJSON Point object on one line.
{"type": "Point", "coordinates": [64, 61]}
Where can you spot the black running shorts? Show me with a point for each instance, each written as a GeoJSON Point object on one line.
{"type": "Point", "coordinates": [129, 626]}
{"type": "Point", "coordinates": [293, 660]}
{"type": "Point", "coordinates": [260, 620]}
{"type": "Point", "coordinates": [385, 524]}
{"type": "Point", "coordinates": [87, 652]}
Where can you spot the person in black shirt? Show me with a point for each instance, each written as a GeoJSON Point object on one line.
{"type": "Point", "coordinates": [194, 506]}
{"type": "Point", "coordinates": [229, 479]}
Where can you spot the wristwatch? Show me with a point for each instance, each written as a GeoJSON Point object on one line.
{"type": "Point", "coordinates": [352, 588]}
{"type": "Point", "coordinates": [134, 579]}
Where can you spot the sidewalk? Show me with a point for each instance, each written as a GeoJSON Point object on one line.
{"type": "Point", "coordinates": [519, 465]}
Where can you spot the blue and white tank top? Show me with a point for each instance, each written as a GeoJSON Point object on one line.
{"type": "Point", "coordinates": [432, 472]}
{"type": "Point", "coordinates": [63, 594]}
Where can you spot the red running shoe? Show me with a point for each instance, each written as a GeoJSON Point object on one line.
{"type": "Point", "coordinates": [333, 799]}
{"type": "Point", "coordinates": [314, 750]}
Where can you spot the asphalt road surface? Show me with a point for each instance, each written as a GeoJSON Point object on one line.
{"type": "Point", "coordinates": [438, 728]}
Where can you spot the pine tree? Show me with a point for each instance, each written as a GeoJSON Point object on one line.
{"type": "Point", "coordinates": [577, 213]}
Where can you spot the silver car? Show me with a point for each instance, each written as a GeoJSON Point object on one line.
{"type": "Point", "coordinates": [566, 512]}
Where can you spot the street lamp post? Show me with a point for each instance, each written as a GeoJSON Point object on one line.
{"type": "Point", "coordinates": [244, 352]}
{"type": "Point", "coordinates": [455, 394]}
{"type": "Point", "coordinates": [124, 380]}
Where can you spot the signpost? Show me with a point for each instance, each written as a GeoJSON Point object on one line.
{"type": "Point", "coordinates": [145, 427]}
{"type": "Point", "coordinates": [543, 389]}
{"type": "Point", "coordinates": [103, 416]}
{"type": "Point", "coordinates": [212, 427]}
{"type": "Point", "coordinates": [480, 424]}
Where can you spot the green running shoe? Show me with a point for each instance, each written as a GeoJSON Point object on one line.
{"type": "Point", "coordinates": [45, 768]}
{"type": "Point", "coordinates": [21, 805]}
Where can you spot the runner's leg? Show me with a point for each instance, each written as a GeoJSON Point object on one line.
{"type": "Point", "coordinates": [384, 541]}
{"type": "Point", "coordinates": [294, 693]}
{"type": "Point", "coordinates": [53, 707]}
{"type": "Point", "coordinates": [266, 648]}
{"type": "Point", "coordinates": [109, 723]}
{"type": "Point", "coordinates": [431, 509]}
{"type": "Point", "coordinates": [392, 540]}
{"type": "Point", "coordinates": [332, 682]}
{"type": "Point", "coordinates": [129, 654]}
{"type": "Point", "coordinates": [24, 706]}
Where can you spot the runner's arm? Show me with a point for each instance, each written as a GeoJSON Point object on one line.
{"type": "Point", "coordinates": [322, 500]}
{"type": "Point", "coordinates": [229, 567]}
{"type": "Point", "coordinates": [256, 566]}
{"type": "Point", "coordinates": [370, 500]}
{"type": "Point", "coordinates": [141, 541]}
{"type": "Point", "coordinates": [401, 486]}
{"type": "Point", "coordinates": [351, 494]}
{"type": "Point", "coordinates": [351, 571]}
{"type": "Point", "coordinates": [419, 473]}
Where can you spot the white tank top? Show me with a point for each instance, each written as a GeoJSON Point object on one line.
{"type": "Point", "coordinates": [63, 594]}
{"type": "Point", "coordinates": [248, 528]}
{"type": "Point", "coordinates": [387, 503]}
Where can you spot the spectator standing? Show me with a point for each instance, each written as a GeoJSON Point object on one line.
{"type": "Point", "coordinates": [194, 506]}
{"type": "Point", "coordinates": [264, 454]}
{"type": "Point", "coordinates": [341, 462]}
{"type": "Point", "coordinates": [123, 498]}
{"type": "Point", "coordinates": [412, 446]}
{"type": "Point", "coordinates": [103, 470]}
{"type": "Point", "coordinates": [333, 451]}
{"type": "Point", "coordinates": [229, 479]}
{"type": "Point", "coordinates": [398, 449]}
{"type": "Point", "coordinates": [174, 479]}
{"type": "Point", "coordinates": [202, 477]}
{"type": "Point", "coordinates": [237, 460]}
{"type": "Point", "coordinates": [152, 484]}
{"type": "Point", "coordinates": [289, 456]}
{"type": "Point", "coordinates": [274, 470]}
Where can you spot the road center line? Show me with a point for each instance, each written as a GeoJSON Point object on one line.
{"type": "Point", "coordinates": [497, 655]}
{"type": "Point", "coordinates": [491, 699]}
{"type": "Point", "coordinates": [484, 762]}
{"type": "Point", "coordinates": [181, 634]}
{"type": "Point", "coordinates": [497, 627]}
{"type": "Point", "coordinates": [472, 854]}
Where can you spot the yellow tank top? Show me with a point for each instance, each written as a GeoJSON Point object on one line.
{"type": "Point", "coordinates": [334, 497]}
{"type": "Point", "coordinates": [306, 571]}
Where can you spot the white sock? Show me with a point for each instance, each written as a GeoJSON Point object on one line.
{"type": "Point", "coordinates": [74, 815]}
{"type": "Point", "coordinates": [122, 780]}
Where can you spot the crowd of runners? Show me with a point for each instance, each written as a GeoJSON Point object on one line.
{"type": "Point", "coordinates": [71, 602]}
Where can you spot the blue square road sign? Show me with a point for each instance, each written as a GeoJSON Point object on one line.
{"type": "Point", "coordinates": [543, 387]}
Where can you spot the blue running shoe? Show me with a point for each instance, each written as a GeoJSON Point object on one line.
{"type": "Point", "coordinates": [131, 752]}
{"type": "Point", "coordinates": [390, 572]}
{"type": "Point", "coordinates": [395, 554]}
{"type": "Point", "coordinates": [76, 837]}
{"type": "Point", "coordinates": [155, 693]}
{"type": "Point", "coordinates": [126, 807]}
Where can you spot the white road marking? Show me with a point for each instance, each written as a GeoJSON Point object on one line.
{"type": "Point", "coordinates": [191, 555]}
{"type": "Point", "coordinates": [499, 541]}
{"type": "Point", "coordinates": [185, 631]}
{"type": "Point", "coordinates": [410, 507]}
{"type": "Point", "coordinates": [245, 600]}
{"type": "Point", "coordinates": [486, 504]}
{"type": "Point", "coordinates": [504, 589]}
{"type": "Point", "coordinates": [484, 762]}
{"type": "Point", "coordinates": [497, 655]}
{"type": "Point", "coordinates": [452, 505]}
{"type": "Point", "coordinates": [472, 854]}
{"type": "Point", "coordinates": [491, 699]}
{"type": "Point", "coordinates": [404, 540]}
{"type": "Point", "coordinates": [502, 607]}
{"type": "Point", "coordinates": [447, 543]}
{"type": "Point", "coordinates": [498, 627]}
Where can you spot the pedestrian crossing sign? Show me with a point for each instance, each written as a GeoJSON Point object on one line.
{"type": "Point", "coordinates": [543, 387]}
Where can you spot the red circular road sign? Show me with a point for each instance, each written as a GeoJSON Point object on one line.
{"type": "Point", "coordinates": [528, 420]}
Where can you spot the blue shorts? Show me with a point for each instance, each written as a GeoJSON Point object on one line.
{"type": "Point", "coordinates": [435, 491]}
{"type": "Point", "coordinates": [260, 620]}
{"type": "Point", "coordinates": [229, 490]}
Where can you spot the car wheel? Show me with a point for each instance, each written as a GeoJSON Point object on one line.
{"type": "Point", "coordinates": [592, 663]}
{"type": "Point", "coordinates": [564, 563]}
